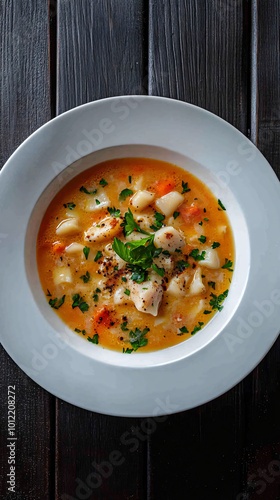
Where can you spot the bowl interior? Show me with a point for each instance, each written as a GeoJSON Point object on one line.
{"type": "Point", "coordinates": [218, 186]}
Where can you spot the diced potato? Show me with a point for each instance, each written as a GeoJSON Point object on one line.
{"type": "Point", "coordinates": [69, 226]}
{"type": "Point", "coordinates": [146, 296]}
{"type": "Point", "coordinates": [62, 275]}
{"type": "Point", "coordinates": [169, 239]}
{"type": "Point", "coordinates": [168, 203]}
{"type": "Point", "coordinates": [138, 184]}
{"type": "Point", "coordinates": [71, 213]}
{"type": "Point", "coordinates": [91, 205]}
{"type": "Point", "coordinates": [74, 248]}
{"type": "Point", "coordinates": [142, 199]}
{"type": "Point", "coordinates": [221, 229]}
{"type": "Point", "coordinates": [104, 230]}
{"type": "Point", "coordinates": [197, 285]}
{"type": "Point", "coordinates": [211, 259]}
{"type": "Point", "coordinates": [177, 285]}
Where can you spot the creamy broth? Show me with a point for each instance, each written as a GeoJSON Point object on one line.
{"type": "Point", "coordinates": [135, 254]}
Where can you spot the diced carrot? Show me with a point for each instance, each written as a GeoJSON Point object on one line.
{"type": "Point", "coordinates": [164, 186]}
{"type": "Point", "coordinates": [102, 317]}
{"type": "Point", "coordinates": [58, 247]}
{"type": "Point", "coordinates": [189, 213]}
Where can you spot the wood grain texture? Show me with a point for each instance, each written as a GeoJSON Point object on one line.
{"type": "Point", "coordinates": [24, 94]}
{"type": "Point", "coordinates": [198, 52]}
{"type": "Point", "coordinates": [262, 387]}
{"type": "Point", "coordinates": [100, 53]}
{"type": "Point", "coordinates": [101, 50]}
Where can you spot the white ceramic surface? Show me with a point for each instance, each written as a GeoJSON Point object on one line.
{"type": "Point", "coordinates": [217, 357]}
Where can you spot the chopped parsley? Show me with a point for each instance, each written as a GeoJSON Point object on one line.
{"type": "Point", "coordinates": [158, 222]}
{"type": "Point", "coordinates": [212, 284]}
{"type": "Point", "coordinates": [176, 214]}
{"type": "Point", "coordinates": [127, 292]}
{"type": "Point", "coordinates": [86, 251]}
{"type": "Point", "coordinates": [71, 206]}
{"type": "Point", "coordinates": [216, 244]}
{"type": "Point", "coordinates": [97, 202]}
{"type": "Point", "coordinates": [95, 297]}
{"type": "Point", "coordinates": [178, 250]}
{"type": "Point", "coordinates": [136, 253]}
{"type": "Point", "coordinates": [185, 187]}
{"type": "Point", "coordinates": [129, 179]}
{"type": "Point", "coordinates": [158, 270]}
{"type": "Point", "coordinates": [202, 239]}
{"type": "Point", "coordinates": [221, 205]}
{"type": "Point", "coordinates": [216, 301]}
{"type": "Point", "coordinates": [182, 264]}
{"type": "Point", "coordinates": [195, 254]}
{"type": "Point", "coordinates": [124, 194]}
{"type": "Point", "coordinates": [197, 327]}
{"type": "Point", "coordinates": [207, 312]}
{"type": "Point", "coordinates": [127, 350]}
{"type": "Point", "coordinates": [79, 302]}
{"type": "Point", "coordinates": [114, 212]}
{"type": "Point", "coordinates": [80, 331]}
{"type": "Point", "coordinates": [137, 339]}
{"type": "Point", "coordinates": [183, 330]}
{"type": "Point", "coordinates": [98, 256]}
{"type": "Point", "coordinates": [124, 279]}
{"type": "Point", "coordinates": [116, 268]}
{"type": "Point", "coordinates": [84, 190]}
{"type": "Point", "coordinates": [228, 264]}
{"type": "Point", "coordinates": [94, 339]}
{"type": "Point", "coordinates": [85, 277]}
{"type": "Point", "coordinates": [138, 275]}
{"type": "Point", "coordinates": [49, 293]}
{"type": "Point", "coordinates": [57, 303]}
{"type": "Point", "coordinates": [131, 225]}
{"type": "Point", "coordinates": [103, 183]}
{"type": "Point", "coordinates": [123, 326]}
{"type": "Point", "coordinates": [200, 223]}
{"type": "Point", "coordinates": [205, 219]}
{"type": "Point", "coordinates": [165, 252]}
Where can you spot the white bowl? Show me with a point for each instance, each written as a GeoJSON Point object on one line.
{"type": "Point", "coordinates": [229, 346]}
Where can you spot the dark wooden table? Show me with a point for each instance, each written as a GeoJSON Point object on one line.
{"type": "Point", "coordinates": [222, 55]}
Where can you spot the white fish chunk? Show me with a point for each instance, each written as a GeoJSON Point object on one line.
{"type": "Point", "coordinates": [168, 203]}
{"type": "Point", "coordinates": [169, 239]}
{"type": "Point", "coordinates": [142, 199]}
{"type": "Point", "coordinates": [146, 296]}
{"type": "Point", "coordinates": [69, 226]}
{"type": "Point", "coordinates": [211, 259]}
{"type": "Point", "coordinates": [106, 229]}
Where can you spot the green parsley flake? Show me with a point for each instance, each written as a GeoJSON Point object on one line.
{"type": "Point", "coordinates": [185, 187]}
{"type": "Point", "coordinates": [103, 183]}
{"type": "Point", "coordinates": [221, 205]}
{"type": "Point", "coordinates": [127, 292]}
{"type": "Point", "coordinates": [97, 202]}
{"type": "Point", "coordinates": [195, 254]}
{"type": "Point", "coordinates": [158, 222]}
{"type": "Point", "coordinates": [176, 214]}
{"type": "Point", "coordinates": [228, 264]}
{"type": "Point", "coordinates": [57, 303]}
{"type": "Point", "coordinates": [216, 301]}
{"type": "Point", "coordinates": [202, 239]}
{"type": "Point", "coordinates": [124, 194]}
{"type": "Point", "coordinates": [79, 302]}
{"type": "Point", "coordinates": [84, 190]}
{"type": "Point", "coordinates": [80, 331]}
{"type": "Point", "coordinates": [159, 270]}
{"type": "Point", "coordinates": [85, 277]}
{"type": "Point", "coordinates": [71, 206]}
{"type": "Point", "coordinates": [86, 251]}
{"type": "Point", "coordinates": [216, 244]}
{"type": "Point", "coordinates": [94, 339]}
{"type": "Point", "coordinates": [123, 326]}
{"type": "Point", "coordinates": [114, 212]}
{"type": "Point", "coordinates": [197, 327]}
{"type": "Point", "coordinates": [181, 265]}
{"type": "Point", "coordinates": [98, 256]}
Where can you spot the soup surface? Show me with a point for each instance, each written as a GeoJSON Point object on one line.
{"type": "Point", "coordinates": [135, 254]}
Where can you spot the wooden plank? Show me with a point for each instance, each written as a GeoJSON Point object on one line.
{"type": "Point", "coordinates": [199, 53]}
{"type": "Point", "coordinates": [25, 93]}
{"type": "Point", "coordinates": [100, 54]}
{"type": "Point", "coordinates": [262, 387]}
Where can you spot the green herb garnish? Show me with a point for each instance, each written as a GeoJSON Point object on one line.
{"type": "Point", "coordinates": [123, 326]}
{"type": "Point", "coordinates": [80, 331]}
{"type": "Point", "coordinates": [71, 206]}
{"type": "Point", "coordinates": [158, 270]}
{"type": "Point", "coordinates": [57, 303]}
{"type": "Point", "coordinates": [131, 225]}
{"type": "Point", "coordinates": [228, 264]}
{"type": "Point", "coordinates": [202, 239]}
{"type": "Point", "coordinates": [94, 339]}
{"type": "Point", "coordinates": [84, 190]}
{"type": "Point", "coordinates": [176, 214]}
{"type": "Point", "coordinates": [114, 212]}
{"type": "Point", "coordinates": [124, 194]}
{"type": "Point", "coordinates": [127, 292]}
{"type": "Point", "coordinates": [98, 256]}
{"type": "Point", "coordinates": [86, 251]}
{"type": "Point", "coordinates": [216, 301]}
{"type": "Point", "coordinates": [103, 183]}
{"type": "Point", "coordinates": [79, 302]}
{"type": "Point", "coordinates": [216, 244]}
{"type": "Point", "coordinates": [181, 265]}
{"type": "Point", "coordinates": [185, 187]}
{"type": "Point", "coordinates": [85, 277]}
{"type": "Point", "coordinates": [196, 256]}
{"type": "Point", "coordinates": [212, 284]}
{"type": "Point", "coordinates": [159, 221]}
{"type": "Point", "coordinates": [197, 328]}
{"type": "Point", "coordinates": [221, 205]}
{"type": "Point", "coordinates": [129, 179]}
{"type": "Point", "coordinates": [97, 202]}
